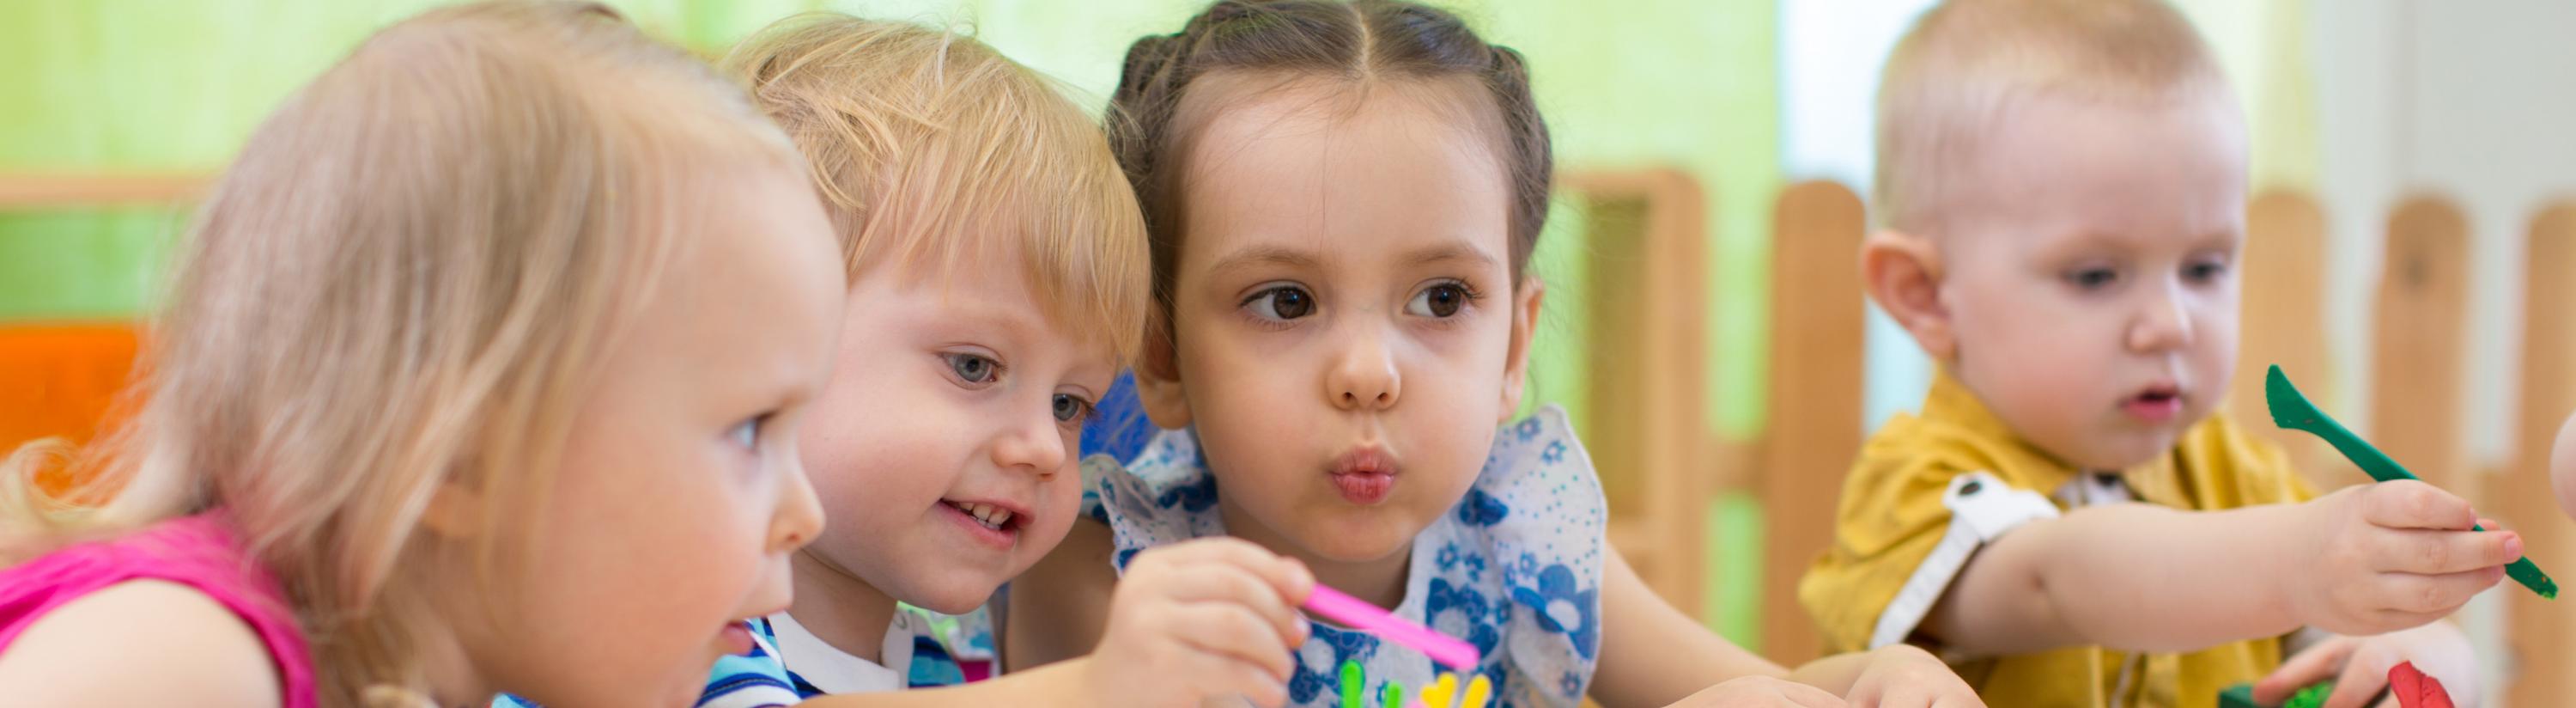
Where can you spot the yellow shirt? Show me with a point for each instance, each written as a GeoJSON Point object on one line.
{"type": "Point", "coordinates": [1892, 515]}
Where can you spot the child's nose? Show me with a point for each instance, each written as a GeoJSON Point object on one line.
{"type": "Point", "coordinates": [1036, 445]}
{"type": "Point", "coordinates": [1364, 376]}
{"type": "Point", "coordinates": [799, 517]}
{"type": "Point", "coordinates": [2164, 322]}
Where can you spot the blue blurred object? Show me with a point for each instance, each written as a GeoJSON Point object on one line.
{"type": "Point", "coordinates": [1120, 429]}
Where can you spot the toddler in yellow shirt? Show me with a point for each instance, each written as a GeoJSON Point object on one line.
{"type": "Point", "coordinates": [2067, 520]}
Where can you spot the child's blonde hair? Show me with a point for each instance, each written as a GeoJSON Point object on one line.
{"type": "Point", "coordinates": [1949, 78]}
{"type": "Point", "coordinates": [404, 282]}
{"type": "Point", "coordinates": [929, 148]}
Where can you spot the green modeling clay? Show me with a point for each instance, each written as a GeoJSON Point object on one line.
{"type": "Point", "coordinates": [2242, 696]}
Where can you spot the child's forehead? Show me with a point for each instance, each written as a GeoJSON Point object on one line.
{"type": "Point", "coordinates": [1231, 113]}
{"type": "Point", "coordinates": [2075, 167]}
{"type": "Point", "coordinates": [994, 285]}
{"type": "Point", "coordinates": [1290, 173]}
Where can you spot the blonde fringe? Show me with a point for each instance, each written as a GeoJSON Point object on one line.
{"type": "Point", "coordinates": [932, 150]}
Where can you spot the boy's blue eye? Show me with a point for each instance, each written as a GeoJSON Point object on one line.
{"type": "Point", "coordinates": [1441, 300]}
{"type": "Point", "coordinates": [974, 369]}
{"type": "Point", "coordinates": [1286, 302]}
{"type": "Point", "coordinates": [1070, 408]}
{"type": "Point", "coordinates": [746, 434]}
{"type": "Point", "coordinates": [2092, 278]}
{"type": "Point", "coordinates": [2204, 271]}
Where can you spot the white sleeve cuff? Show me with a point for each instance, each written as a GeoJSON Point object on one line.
{"type": "Point", "coordinates": [1982, 508]}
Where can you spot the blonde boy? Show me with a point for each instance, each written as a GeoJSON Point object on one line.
{"type": "Point", "coordinates": [2068, 521]}
{"type": "Point", "coordinates": [997, 273]}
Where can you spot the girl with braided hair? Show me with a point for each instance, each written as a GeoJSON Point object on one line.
{"type": "Point", "coordinates": [1341, 199]}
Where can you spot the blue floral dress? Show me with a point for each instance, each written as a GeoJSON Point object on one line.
{"type": "Point", "coordinates": [1514, 568]}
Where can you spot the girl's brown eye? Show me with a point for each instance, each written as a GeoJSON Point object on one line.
{"type": "Point", "coordinates": [1441, 300]}
{"type": "Point", "coordinates": [1281, 303]}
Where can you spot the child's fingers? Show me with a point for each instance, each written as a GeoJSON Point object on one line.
{"type": "Point", "coordinates": [2384, 621]}
{"type": "Point", "coordinates": [2439, 552]}
{"type": "Point", "coordinates": [1898, 697]}
{"type": "Point", "coordinates": [1214, 681]}
{"type": "Point", "coordinates": [1212, 677]}
{"type": "Point", "coordinates": [1232, 632]}
{"type": "Point", "coordinates": [1805, 696]}
{"type": "Point", "coordinates": [1228, 584]}
{"type": "Point", "coordinates": [2307, 667]}
{"type": "Point", "coordinates": [2362, 679]}
{"type": "Point", "coordinates": [2433, 595]}
{"type": "Point", "coordinates": [1287, 576]}
{"type": "Point", "coordinates": [2411, 504]}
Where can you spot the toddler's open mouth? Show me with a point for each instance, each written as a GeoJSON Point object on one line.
{"type": "Point", "coordinates": [990, 516]}
{"type": "Point", "coordinates": [2156, 404]}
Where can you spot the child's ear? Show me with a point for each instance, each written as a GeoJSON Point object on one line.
{"type": "Point", "coordinates": [1525, 304]}
{"type": "Point", "coordinates": [1158, 375]}
{"type": "Point", "coordinates": [1902, 272]}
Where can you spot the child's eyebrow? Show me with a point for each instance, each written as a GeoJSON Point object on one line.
{"type": "Point", "coordinates": [1459, 250]}
{"type": "Point", "coordinates": [1261, 255]}
{"type": "Point", "coordinates": [980, 314]}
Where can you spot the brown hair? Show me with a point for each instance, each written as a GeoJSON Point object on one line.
{"type": "Point", "coordinates": [929, 148]}
{"type": "Point", "coordinates": [1361, 42]}
{"type": "Point", "coordinates": [1951, 75]}
{"type": "Point", "coordinates": [407, 277]}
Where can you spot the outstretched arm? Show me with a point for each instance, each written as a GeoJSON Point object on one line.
{"type": "Point", "coordinates": [2140, 577]}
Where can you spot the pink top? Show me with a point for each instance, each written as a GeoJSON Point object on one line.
{"type": "Point", "coordinates": [197, 551]}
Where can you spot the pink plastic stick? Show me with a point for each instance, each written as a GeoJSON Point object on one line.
{"type": "Point", "coordinates": [1359, 615]}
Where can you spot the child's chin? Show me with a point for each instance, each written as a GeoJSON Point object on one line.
{"type": "Point", "coordinates": [956, 597]}
{"type": "Point", "coordinates": [1357, 545]}
{"type": "Point", "coordinates": [2130, 449]}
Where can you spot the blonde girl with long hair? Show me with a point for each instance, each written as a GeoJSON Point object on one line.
{"type": "Point", "coordinates": [481, 372]}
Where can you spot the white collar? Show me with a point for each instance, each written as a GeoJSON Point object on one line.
{"type": "Point", "coordinates": [834, 671]}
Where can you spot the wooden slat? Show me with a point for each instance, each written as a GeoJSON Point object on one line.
{"type": "Point", "coordinates": [2544, 656]}
{"type": "Point", "coordinates": [2282, 322]}
{"type": "Point", "coordinates": [1813, 418]}
{"type": "Point", "coordinates": [2418, 343]}
{"type": "Point", "coordinates": [73, 190]}
{"type": "Point", "coordinates": [1646, 430]}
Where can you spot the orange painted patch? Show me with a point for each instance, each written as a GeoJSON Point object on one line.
{"type": "Point", "coordinates": [61, 380]}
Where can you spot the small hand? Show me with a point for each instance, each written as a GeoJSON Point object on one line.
{"type": "Point", "coordinates": [1207, 619]}
{"type": "Point", "coordinates": [1761, 691]}
{"type": "Point", "coordinates": [1905, 676]}
{"type": "Point", "coordinates": [2360, 666]}
{"type": "Point", "coordinates": [2383, 557]}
